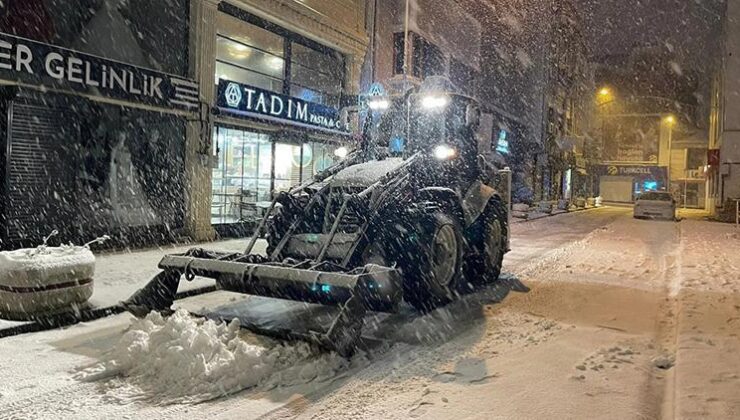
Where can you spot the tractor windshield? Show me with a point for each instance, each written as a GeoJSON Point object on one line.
{"type": "Point", "coordinates": [420, 123]}
{"type": "Point", "coordinates": [439, 121]}
{"type": "Point", "coordinates": [391, 130]}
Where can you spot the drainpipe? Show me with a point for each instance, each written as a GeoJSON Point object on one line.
{"type": "Point", "coordinates": [406, 43]}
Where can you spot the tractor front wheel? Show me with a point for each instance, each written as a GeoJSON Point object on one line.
{"type": "Point", "coordinates": [432, 267]}
{"type": "Point", "coordinates": [483, 266]}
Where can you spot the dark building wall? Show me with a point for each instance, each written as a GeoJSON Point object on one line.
{"type": "Point", "coordinates": [146, 33]}
{"type": "Point", "coordinates": [84, 167]}
{"type": "Point", "coordinates": [3, 177]}
{"type": "Point", "coordinates": [443, 40]}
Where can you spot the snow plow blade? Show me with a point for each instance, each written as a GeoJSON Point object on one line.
{"type": "Point", "coordinates": [371, 287]}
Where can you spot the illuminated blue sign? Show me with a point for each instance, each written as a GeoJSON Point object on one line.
{"type": "Point", "coordinates": [502, 145]}
{"type": "Point", "coordinates": [397, 145]}
{"type": "Point", "coordinates": [251, 101]}
{"type": "Point", "coordinates": [376, 89]}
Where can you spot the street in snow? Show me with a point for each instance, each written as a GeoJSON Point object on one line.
{"type": "Point", "coordinates": [598, 315]}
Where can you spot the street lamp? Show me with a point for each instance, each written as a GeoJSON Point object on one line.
{"type": "Point", "coordinates": [670, 121]}
{"type": "Point", "coordinates": [604, 96]}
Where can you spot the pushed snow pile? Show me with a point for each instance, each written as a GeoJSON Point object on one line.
{"type": "Point", "coordinates": [183, 359]}
{"type": "Point", "coordinates": [45, 279]}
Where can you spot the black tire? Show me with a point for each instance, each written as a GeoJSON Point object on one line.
{"type": "Point", "coordinates": [432, 269]}
{"type": "Point", "coordinates": [489, 243]}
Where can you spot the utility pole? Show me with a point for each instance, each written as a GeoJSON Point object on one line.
{"type": "Point", "coordinates": [406, 42]}
{"type": "Point", "coordinates": [546, 54]}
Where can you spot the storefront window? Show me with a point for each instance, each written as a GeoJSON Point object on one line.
{"type": "Point", "coordinates": [251, 166]}
{"type": "Point", "coordinates": [252, 35]}
{"type": "Point", "coordinates": [251, 55]}
{"type": "Point", "coordinates": [323, 156]}
{"type": "Point", "coordinates": [246, 57]}
{"type": "Point", "coordinates": [241, 178]}
{"type": "Point", "coordinates": [237, 74]}
{"type": "Point", "coordinates": [316, 158]}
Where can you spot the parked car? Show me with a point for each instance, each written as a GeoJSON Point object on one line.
{"type": "Point", "coordinates": [655, 204]}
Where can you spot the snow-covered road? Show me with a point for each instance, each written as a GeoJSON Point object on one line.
{"type": "Point", "coordinates": [601, 316]}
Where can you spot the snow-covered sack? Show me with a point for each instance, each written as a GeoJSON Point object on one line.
{"type": "Point", "coordinates": [45, 278]}
{"type": "Point", "coordinates": [183, 359]}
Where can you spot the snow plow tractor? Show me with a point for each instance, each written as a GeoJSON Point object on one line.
{"type": "Point", "coordinates": [415, 214]}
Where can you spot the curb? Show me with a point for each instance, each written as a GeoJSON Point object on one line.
{"type": "Point", "coordinates": [91, 314]}
{"type": "Point", "coordinates": [556, 214]}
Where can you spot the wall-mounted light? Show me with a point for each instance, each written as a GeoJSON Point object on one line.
{"type": "Point", "coordinates": [341, 152]}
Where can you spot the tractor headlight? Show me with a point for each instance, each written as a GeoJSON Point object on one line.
{"type": "Point", "coordinates": [444, 152]}
{"type": "Point", "coordinates": [378, 104]}
{"type": "Point", "coordinates": [434, 102]}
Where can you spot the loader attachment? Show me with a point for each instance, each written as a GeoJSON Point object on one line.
{"type": "Point", "coordinates": [354, 292]}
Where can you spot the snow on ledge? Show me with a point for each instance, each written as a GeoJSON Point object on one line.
{"type": "Point", "coordinates": [29, 267]}
{"type": "Point", "coordinates": [45, 280]}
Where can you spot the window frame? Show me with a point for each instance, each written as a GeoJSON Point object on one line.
{"type": "Point", "coordinates": [288, 38]}
{"type": "Point", "coordinates": [423, 54]}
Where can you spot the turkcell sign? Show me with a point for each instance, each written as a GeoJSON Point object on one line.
{"type": "Point", "coordinates": [33, 63]}
{"type": "Point", "coordinates": [653, 172]}
{"type": "Point", "coordinates": [250, 101]}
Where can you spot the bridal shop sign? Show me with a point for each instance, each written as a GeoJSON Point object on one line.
{"type": "Point", "coordinates": [32, 63]}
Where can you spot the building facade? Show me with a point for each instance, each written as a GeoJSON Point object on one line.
{"type": "Point", "coordinates": [279, 78]}
{"type": "Point", "coordinates": [724, 127]}
{"type": "Point", "coordinates": [152, 123]}
{"type": "Point", "coordinates": [652, 123]}
{"type": "Point", "coordinates": [534, 68]}
{"type": "Point", "coordinates": [567, 100]}
{"type": "Point", "coordinates": [442, 40]}
{"type": "Point", "coordinates": [96, 102]}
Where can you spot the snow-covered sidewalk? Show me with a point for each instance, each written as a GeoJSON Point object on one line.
{"type": "Point", "coordinates": [707, 378]}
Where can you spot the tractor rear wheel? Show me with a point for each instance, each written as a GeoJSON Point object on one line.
{"type": "Point", "coordinates": [483, 266]}
{"type": "Point", "coordinates": [433, 267]}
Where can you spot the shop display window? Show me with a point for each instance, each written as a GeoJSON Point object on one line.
{"type": "Point", "coordinates": [242, 182]}
{"type": "Point", "coordinates": [241, 177]}
{"type": "Point", "coordinates": [288, 166]}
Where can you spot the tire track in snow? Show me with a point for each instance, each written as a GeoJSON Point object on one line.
{"type": "Point", "coordinates": [374, 381]}
{"type": "Point", "coordinates": [668, 330]}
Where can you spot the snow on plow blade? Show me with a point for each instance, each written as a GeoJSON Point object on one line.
{"type": "Point", "coordinates": [371, 287]}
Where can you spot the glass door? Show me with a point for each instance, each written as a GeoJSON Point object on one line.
{"type": "Point", "coordinates": [288, 164]}
{"type": "Point", "coordinates": [241, 177]}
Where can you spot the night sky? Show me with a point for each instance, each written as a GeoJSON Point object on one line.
{"type": "Point", "coordinates": [688, 27]}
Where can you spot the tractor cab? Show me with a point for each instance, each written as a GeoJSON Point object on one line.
{"type": "Point", "coordinates": [432, 120]}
